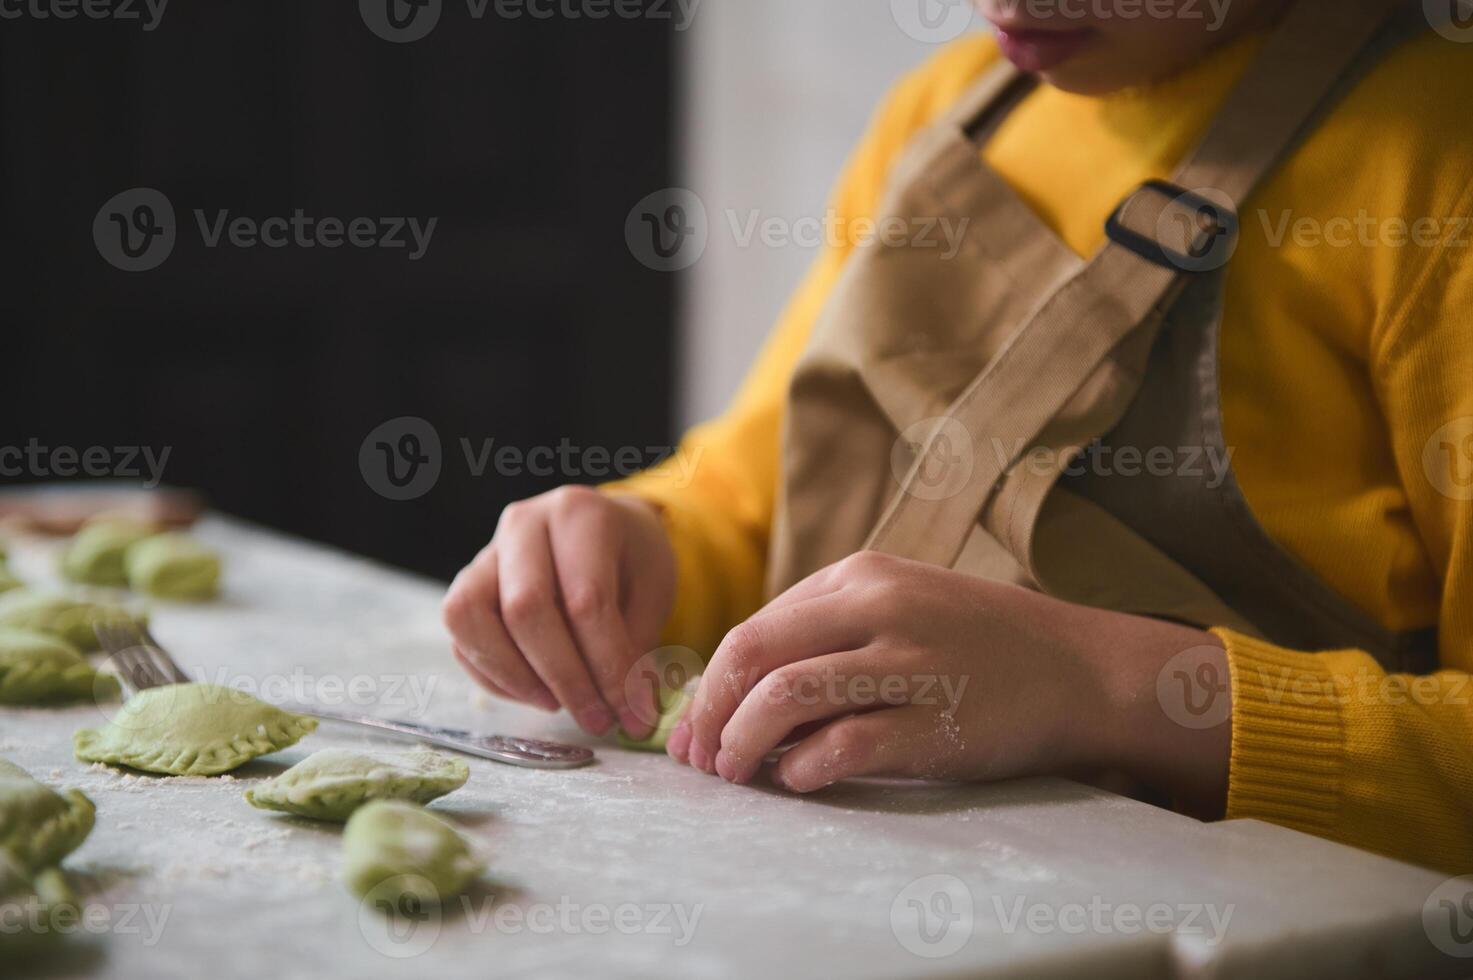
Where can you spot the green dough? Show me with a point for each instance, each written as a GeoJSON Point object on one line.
{"type": "Point", "coordinates": [173, 566]}
{"type": "Point", "coordinates": [38, 668]}
{"type": "Point", "coordinates": [39, 826]}
{"type": "Point", "coordinates": [95, 553]}
{"type": "Point", "coordinates": [398, 853]}
{"type": "Point", "coordinates": [190, 730]}
{"type": "Point", "coordinates": [672, 706]}
{"type": "Point", "coordinates": [56, 614]}
{"type": "Point", "coordinates": [332, 783]}
{"type": "Point", "coordinates": [26, 909]}
{"type": "Point", "coordinates": [8, 580]}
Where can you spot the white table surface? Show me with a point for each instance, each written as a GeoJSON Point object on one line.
{"type": "Point", "coordinates": [637, 867]}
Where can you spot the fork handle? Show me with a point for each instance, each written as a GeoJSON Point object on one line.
{"type": "Point", "coordinates": [530, 753]}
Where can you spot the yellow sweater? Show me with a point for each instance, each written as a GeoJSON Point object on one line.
{"type": "Point", "coordinates": [1347, 390]}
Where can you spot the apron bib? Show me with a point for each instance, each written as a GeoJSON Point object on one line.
{"type": "Point", "coordinates": [941, 408]}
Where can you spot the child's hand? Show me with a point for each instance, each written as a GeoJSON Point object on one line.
{"type": "Point", "coordinates": [914, 670]}
{"type": "Point", "coordinates": [573, 587]}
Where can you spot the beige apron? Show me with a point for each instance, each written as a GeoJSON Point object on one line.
{"type": "Point", "coordinates": [943, 408]}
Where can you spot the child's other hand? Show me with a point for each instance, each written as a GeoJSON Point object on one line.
{"type": "Point", "coordinates": [919, 671]}
{"type": "Point", "coordinates": [573, 587]}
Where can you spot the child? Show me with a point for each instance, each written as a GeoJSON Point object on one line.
{"type": "Point", "coordinates": [1167, 472]}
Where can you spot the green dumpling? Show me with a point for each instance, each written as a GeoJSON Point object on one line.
{"type": "Point", "coordinates": [331, 783]}
{"type": "Point", "coordinates": [398, 853]}
{"type": "Point", "coordinates": [39, 826]}
{"type": "Point", "coordinates": [8, 580]}
{"type": "Point", "coordinates": [38, 668]}
{"type": "Point", "coordinates": [191, 730]}
{"type": "Point", "coordinates": [70, 619]}
{"type": "Point", "coordinates": [173, 566]}
{"type": "Point", "coordinates": [95, 553]}
{"type": "Point", "coordinates": [27, 905]}
{"type": "Point", "coordinates": [672, 704]}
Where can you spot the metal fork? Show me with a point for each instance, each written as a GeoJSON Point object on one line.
{"type": "Point", "coordinates": [143, 663]}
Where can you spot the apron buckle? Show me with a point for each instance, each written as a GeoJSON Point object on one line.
{"type": "Point", "coordinates": [1203, 229]}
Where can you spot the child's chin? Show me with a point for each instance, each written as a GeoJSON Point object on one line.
{"type": "Point", "coordinates": [1090, 80]}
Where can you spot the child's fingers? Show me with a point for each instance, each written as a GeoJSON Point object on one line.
{"type": "Point", "coordinates": [771, 639]}
{"type": "Point", "coordinates": [788, 698]}
{"type": "Point", "coordinates": [586, 545]}
{"type": "Point", "coordinates": [481, 640]}
{"type": "Point", "coordinates": [890, 742]}
{"type": "Point", "coordinates": [677, 746]}
{"type": "Point", "coordinates": [479, 676]}
{"type": "Point", "coordinates": [534, 619]}
{"type": "Point", "coordinates": [646, 570]}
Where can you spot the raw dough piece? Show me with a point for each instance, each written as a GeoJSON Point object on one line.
{"type": "Point", "coordinates": [95, 553]}
{"type": "Point", "coordinates": [56, 614]}
{"type": "Point", "coordinates": [672, 706]}
{"type": "Point", "coordinates": [173, 566]}
{"type": "Point", "coordinates": [27, 905]}
{"type": "Point", "coordinates": [38, 668]}
{"type": "Point", "coordinates": [191, 730]}
{"type": "Point", "coordinates": [401, 855]}
{"type": "Point", "coordinates": [18, 904]}
{"type": "Point", "coordinates": [39, 826]}
{"type": "Point", "coordinates": [331, 783]}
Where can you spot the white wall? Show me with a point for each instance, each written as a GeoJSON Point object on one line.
{"type": "Point", "coordinates": [776, 94]}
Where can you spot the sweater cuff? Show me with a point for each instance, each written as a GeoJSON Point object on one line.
{"type": "Point", "coordinates": [1288, 746]}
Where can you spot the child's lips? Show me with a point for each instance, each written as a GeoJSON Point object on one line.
{"type": "Point", "coordinates": [1037, 50]}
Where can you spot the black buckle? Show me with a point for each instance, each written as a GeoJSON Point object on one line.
{"type": "Point", "coordinates": [1200, 256]}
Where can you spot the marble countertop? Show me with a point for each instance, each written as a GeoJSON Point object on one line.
{"type": "Point", "coordinates": [636, 867]}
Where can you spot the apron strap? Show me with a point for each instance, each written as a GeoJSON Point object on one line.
{"type": "Point", "coordinates": [1000, 85]}
{"type": "Point", "coordinates": [1158, 238]}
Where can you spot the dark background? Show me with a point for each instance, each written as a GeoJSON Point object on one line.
{"type": "Point", "coordinates": [527, 320]}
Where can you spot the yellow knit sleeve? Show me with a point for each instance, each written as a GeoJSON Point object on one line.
{"type": "Point", "coordinates": [718, 492]}
{"type": "Point", "coordinates": [1329, 743]}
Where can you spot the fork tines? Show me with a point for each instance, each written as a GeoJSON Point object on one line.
{"type": "Point", "coordinates": [141, 662]}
